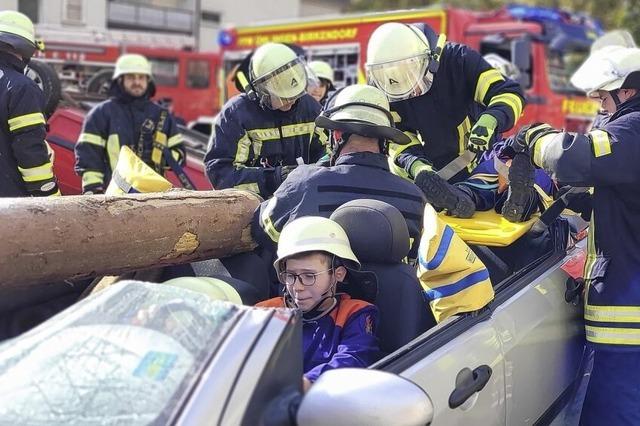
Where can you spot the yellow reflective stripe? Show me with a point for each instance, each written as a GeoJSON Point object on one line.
{"type": "Point", "coordinates": [92, 139]}
{"type": "Point", "coordinates": [174, 140]}
{"type": "Point", "coordinates": [265, 219]}
{"type": "Point", "coordinates": [546, 199]}
{"type": "Point", "coordinates": [512, 100]}
{"type": "Point", "coordinates": [161, 138]}
{"type": "Point", "coordinates": [21, 121]}
{"type": "Point", "coordinates": [92, 178]}
{"type": "Point", "coordinates": [540, 147]}
{"type": "Point", "coordinates": [485, 80]}
{"type": "Point", "coordinates": [463, 132]}
{"type": "Point", "coordinates": [614, 336]}
{"type": "Point", "coordinates": [55, 194]}
{"type": "Point", "coordinates": [253, 187]}
{"type": "Point", "coordinates": [242, 152]}
{"type": "Point", "coordinates": [601, 143]}
{"type": "Point", "coordinates": [177, 155]}
{"type": "Point", "coordinates": [322, 136]}
{"type": "Point", "coordinates": [396, 117]}
{"type": "Point", "coordinates": [394, 152]}
{"type": "Point", "coordinates": [612, 313]}
{"type": "Point", "coordinates": [38, 173]}
{"type": "Point", "coordinates": [288, 131]}
{"type": "Point", "coordinates": [591, 251]}
{"type": "Point", "coordinates": [113, 150]}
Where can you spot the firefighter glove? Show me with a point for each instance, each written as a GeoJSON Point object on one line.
{"type": "Point", "coordinates": [482, 133]}
{"type": "Point", "coordinates": [529, 134]}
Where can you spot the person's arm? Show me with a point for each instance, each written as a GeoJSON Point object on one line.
{"type": "Point", "coordinates": [502, 98]}
{"type": "Point", "coordinates": [26, 125]}
{"type": "Point", "coordinates": [602, 157]}
{"type": "Point", "coordinates": [90, 151]}
{"type": "Point", "coordinates": [358, 346]}
{"type": "Point", "coordinates": [229, 152]}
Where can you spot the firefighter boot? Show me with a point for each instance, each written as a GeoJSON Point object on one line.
{"type": "Point", "coordinates": [443, 195]}
{"type": "Point", "coordinates": [521, 199]}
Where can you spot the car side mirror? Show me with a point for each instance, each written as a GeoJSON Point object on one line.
{"type": "Point", "coordinates": [521, 53]}
{"type": "Point", "coordinates": [367, 397]}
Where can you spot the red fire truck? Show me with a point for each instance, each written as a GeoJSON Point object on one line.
{"type": "Point", "coordinates": [545, 44]}
{"type": "Point", "coordinates": [188, 79]}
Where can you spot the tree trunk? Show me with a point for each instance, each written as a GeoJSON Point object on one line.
{"type": "Point", "coordinates": [52, 239]}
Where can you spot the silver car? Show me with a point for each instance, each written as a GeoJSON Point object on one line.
{"type": "Point", "coordinates": [140, 353]}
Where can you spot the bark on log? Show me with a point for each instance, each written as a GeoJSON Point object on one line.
{"type": "Point", "coordinates": [46, 240]}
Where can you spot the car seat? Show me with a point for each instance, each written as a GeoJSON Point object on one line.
{"type": "Point", "coordinates": [379, 237]}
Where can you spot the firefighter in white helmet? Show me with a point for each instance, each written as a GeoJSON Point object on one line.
{"type": "Point", "coordinates": [314, 258]}
{"type": "Point", "coordinates": [265, 132]}
{"type": "Point", "coordinates": [26, 168]}
{"type": "Point", "coordinates": [128, 118]}
{"type": "Point", "coordinates": [606, 159]}
{"type": "Point", "coordinates": [324, 86]}
{"type": "Point", "coordinates": [434, 88]}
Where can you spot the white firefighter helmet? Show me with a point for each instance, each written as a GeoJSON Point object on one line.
{"type": "Point", "coordinates": [314, 233]}
{"type": "Point", "coordinates": [132, 63]}
{"type": "Point", "coordinates": [363, 110]}
{"type": "Point", "coordinates": [609, 68]}
{"type": "Point", "coordinates": [16, 30]}
{"type": "Point", "coordinates": [322, 70]}
{"type": "Point", "coordinates": [278, 75]}
{"type": "Point", "coordinates": [398, 57]}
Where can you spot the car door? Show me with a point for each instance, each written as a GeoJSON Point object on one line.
{"type": "Point", "coordinates": [529, 337]}
{"type": "Point", "coordinates": [542, 340]}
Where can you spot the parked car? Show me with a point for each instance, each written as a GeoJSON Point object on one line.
{"type": "Point", "coordinates": [140, 353]}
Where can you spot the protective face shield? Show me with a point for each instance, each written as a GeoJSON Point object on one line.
{"type": "Point", "coordinates": [16, 30]}
{"type": "Point", "coordinates": [607, 69]}
{"type": "Point", "coordinates": [278, 76]}
{"type": "Point", "coordinates": [400, 61]}
{"type": "Point", "coordinates": [613, 38]}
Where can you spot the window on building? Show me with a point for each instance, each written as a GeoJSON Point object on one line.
{"type": "Point", "coordinates": [198, 72]}
{"type": "Point", "coordinates": [29, 8]}
{"type": "Point", "coordinates": [73, 11]}
{"type": "Point", "coordinates": [165, 71]}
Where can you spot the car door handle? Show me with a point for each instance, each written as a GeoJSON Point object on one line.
{"type": "Point", "coordinates": [467, 383]}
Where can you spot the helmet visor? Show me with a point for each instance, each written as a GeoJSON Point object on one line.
{"type": "Point", "coordinates": [401, 79]}
{"type": "Point", "coordinates": [282, 86]}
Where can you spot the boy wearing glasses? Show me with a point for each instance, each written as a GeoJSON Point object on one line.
{"type": "Point", "coordinates": [314, 255]}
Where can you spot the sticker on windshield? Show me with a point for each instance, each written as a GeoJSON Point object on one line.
{"type": "Point", "coordinates": [155, 365]}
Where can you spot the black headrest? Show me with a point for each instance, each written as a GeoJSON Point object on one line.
{"type": "Point", "coordinates": [377, 231]}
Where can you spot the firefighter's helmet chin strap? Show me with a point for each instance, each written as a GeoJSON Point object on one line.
{"type": "Point", "coordinates": [616, 99]}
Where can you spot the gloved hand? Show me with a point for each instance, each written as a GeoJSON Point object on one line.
{"type": "Point", "coordinates": [443, 195]}
{"type": "Point", "coordinates": [97, 188]}
{"type": "Point", "coordinates": [482, 133]}
{"type": "Point", "coordinates": [529, 134]}
{"type": "Point", "coordinates": [284, 171]}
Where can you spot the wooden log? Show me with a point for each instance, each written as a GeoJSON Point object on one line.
{"type": "Point", "coordinates": [45, 240]}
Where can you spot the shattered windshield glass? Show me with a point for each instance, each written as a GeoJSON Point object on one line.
{"type": "Point", "coordinates": [125, 356]}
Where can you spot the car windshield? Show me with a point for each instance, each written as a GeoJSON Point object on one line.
{"type": "Point", "coordinates": [561, 66]}
{"type": "Point", "coordinates": [140, 343]}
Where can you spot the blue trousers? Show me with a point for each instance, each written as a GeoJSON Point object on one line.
{"type": "Point", "coordinates": [613, 393]}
